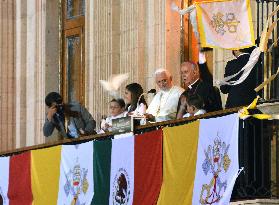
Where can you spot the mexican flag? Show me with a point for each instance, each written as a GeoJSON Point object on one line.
{"type": "Point", "coordinates": [128, 169]}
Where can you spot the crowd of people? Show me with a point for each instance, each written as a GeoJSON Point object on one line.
{"type": "Point", "coordinates": [170, 102]}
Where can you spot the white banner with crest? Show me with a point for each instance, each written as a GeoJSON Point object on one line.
{"type": "Point", "coordinates": [217, 161]}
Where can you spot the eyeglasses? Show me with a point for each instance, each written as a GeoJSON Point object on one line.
{"type": "Point", "coordinates": [114, 107]}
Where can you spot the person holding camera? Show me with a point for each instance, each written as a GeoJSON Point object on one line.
{"type": "Point", "coordinates": [72, 120]}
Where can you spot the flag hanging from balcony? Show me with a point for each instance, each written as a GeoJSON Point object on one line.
{"type": "Point", "coordinates": [128, 169]}
{"type": "Point", "coordinates": [4, 180]}
{"type": "Point", "coordinates": [225, 24]}
{"type": "Point", "coordinates": [179, 161]}
{"type": "Point", "coordinates": [101, 168]}
{"type": "Point", "coordinates": [45, 172]}
{"type": "Point", "coordinates": [76, 174]}
{"type": "Point", "coordinates": [217, 160]}
{"type": "Point", "coordinates": [200, 161]}
{"type": "Point", "coordinates": [199, 166]}
{"type": "Point", "coordinates": [20, 190]}
{"type": "Point", "coordinates": [148, 167]}
{"type": "Point", "coordinates": [122, 170]}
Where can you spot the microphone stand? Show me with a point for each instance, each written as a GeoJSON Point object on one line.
{"type": "Point", "coordinates": [140, 98]}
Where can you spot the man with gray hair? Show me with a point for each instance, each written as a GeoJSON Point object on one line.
{"type": "Point", "coordinates": [164, 104]}
{"type": "Point", "coordinates": [191, 76]}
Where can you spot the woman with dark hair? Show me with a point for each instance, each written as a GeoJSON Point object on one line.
{"type": "Point", "coordinates": [135, 102]}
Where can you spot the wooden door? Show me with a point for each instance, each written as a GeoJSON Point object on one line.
{"type": "Point", "coordinates": [72, 83]}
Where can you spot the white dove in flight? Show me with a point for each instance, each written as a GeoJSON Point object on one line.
{"type": "Point", "coordinates": [113, 84]}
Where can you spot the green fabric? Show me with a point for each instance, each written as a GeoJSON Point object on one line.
{"type": "Point", "coordinates": [101, 168]}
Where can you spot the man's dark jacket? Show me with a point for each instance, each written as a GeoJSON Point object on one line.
{"type": "Point", "coordinates": [83, 120]}
{"type": "Point", "coordinates": [243, 93]}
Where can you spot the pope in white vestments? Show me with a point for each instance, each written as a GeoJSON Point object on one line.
{"type": "Point", "coordinates": [164, 104]}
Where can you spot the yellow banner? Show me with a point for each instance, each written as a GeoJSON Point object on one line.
{"type": "Point", "coordinates": [179, 157]}
{"type": "Point", "coordinates": [45, 170]}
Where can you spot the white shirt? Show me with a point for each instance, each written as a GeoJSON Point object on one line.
{"type": "Point", "coordinates": [140, 110]}
{"type": "Point", "coordinates": [72, 130]}
{"type": "Point", "coordinates": [200, 112]}
{"type": "Point", "coordinates": [164, 104]}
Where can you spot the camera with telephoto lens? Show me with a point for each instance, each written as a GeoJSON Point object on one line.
{"type": "Point", "coordinates": [59, 108]}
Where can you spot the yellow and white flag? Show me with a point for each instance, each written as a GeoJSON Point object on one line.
{"type": "Point", "coordinates": [225, 24]}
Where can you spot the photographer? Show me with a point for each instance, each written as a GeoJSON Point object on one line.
{"type": "Point", "coordinates": [78, 120]}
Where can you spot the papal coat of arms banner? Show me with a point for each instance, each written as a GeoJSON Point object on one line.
{"type": "Point", "coordinates": [225, 24]}
{"type": "Point", "coordinates": [76, 185]}
{"type": "Point", "coordinates": [217, 160]}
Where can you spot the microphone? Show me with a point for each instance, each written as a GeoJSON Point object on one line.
{"type": "Point", "coordinates": [153, 91]}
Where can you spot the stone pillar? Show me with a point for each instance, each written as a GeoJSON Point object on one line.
{"type": "Point", "coordinates": [7, 75]}
{"type": "Point", "coordinates": [98, 54]}
{"type": "Point", "coordinates": [30, 72]}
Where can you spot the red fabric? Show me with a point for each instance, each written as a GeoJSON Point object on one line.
{"type": "Point", "coordinates": [148, 168]}
{"type": "Point", "coordinates": [19, 191]}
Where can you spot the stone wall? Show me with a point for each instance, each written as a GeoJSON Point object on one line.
{"type": "Point", "coordinates": [7, 75]}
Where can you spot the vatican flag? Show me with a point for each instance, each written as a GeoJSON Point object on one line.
{"type": "Point", "coordinates": [200, 162]}
{"type": "Point", "coordinates": [217, 160]}
{"type": "Point", "coordinates": [76, 184]}
{"type": "Point", "coordinates": [225, 24]}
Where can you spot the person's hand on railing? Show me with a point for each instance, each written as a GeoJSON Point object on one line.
{"type": "Point", "coordinates": [149, 117]}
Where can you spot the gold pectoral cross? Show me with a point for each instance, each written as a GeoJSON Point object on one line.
{"type": "Point", "coordinates": [158, 111]}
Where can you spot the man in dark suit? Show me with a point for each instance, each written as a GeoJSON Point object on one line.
{"type": "Point", "coordinates": [243, 93]}
{"type": "Point", "coordinates": [191, 76]}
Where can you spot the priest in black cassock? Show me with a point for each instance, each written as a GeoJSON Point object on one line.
{"type": "Point", "coordinates": [198, 80]}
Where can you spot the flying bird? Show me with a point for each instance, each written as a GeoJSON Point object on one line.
{"type": "Point", "coordinates": [113, 83]}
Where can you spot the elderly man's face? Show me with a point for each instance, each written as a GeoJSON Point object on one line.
{"type": "Point", "coordinates": [163, 81]}
{"type": "Point", "coordinates": [189, 74]}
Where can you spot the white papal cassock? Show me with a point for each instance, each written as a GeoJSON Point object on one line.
{"type": "Point", "coordinates": [164, 104]}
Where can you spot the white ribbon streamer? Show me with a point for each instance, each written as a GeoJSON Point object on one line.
{"type": "Point", "coordinates": [253, 59]}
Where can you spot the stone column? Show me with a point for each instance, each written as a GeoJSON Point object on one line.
{"type": "Point", "coordinates": [98, 54]}
{"type": "Point", "coordinates": [7, 75]}
{"type": "Point", "coordinates": [30, 72]}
